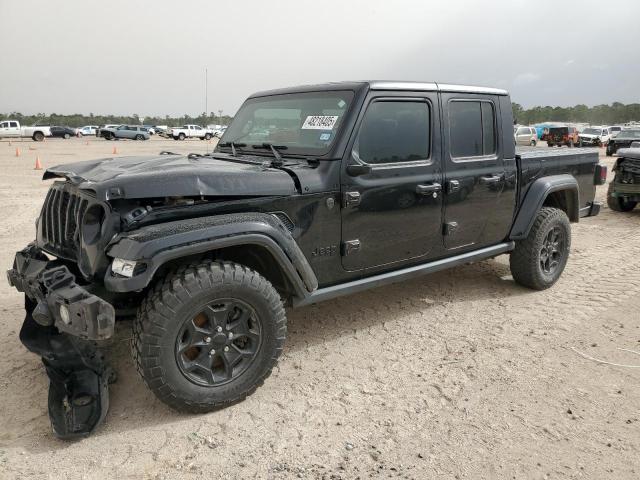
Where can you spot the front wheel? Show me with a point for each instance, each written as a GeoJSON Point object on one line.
{"type": "Point", "coordinates": [538, 261]}
{"type": "Point", "coordinates": [182, 136]}
{"type": "Point", "coordinates": [208, 336]}
{"type": "Point", "coordinates": [549, 144]}
{"type": "Point", "coordinates": [619, 204]}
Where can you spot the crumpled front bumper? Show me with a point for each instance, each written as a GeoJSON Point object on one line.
{"type": "Point", "coordinates": [78, 373]}
{"type": "Point", "coordinates": [59, 300]}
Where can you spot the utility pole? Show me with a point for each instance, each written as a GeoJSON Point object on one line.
{"type": "Point", "coordinates": [220, 117]}
{"type": "Point", "coordinates": [206, 93]}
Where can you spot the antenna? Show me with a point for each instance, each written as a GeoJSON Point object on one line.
{"type": "Point", "coordinates": [206, 98]}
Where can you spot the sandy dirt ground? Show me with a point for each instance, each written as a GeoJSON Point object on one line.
{"type": "Point", "coordinates": [461, 374]}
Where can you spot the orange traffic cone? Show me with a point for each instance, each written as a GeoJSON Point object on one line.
{"type": "Point", "coordinates": [115, 152]}
{"type": "Point", "coordinates": [17, 152]}
{"type": "Point", "coordinates": [38, 164]}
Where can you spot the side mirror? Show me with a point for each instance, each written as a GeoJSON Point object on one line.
{"type": "Point", "coordinates": [358, 169]}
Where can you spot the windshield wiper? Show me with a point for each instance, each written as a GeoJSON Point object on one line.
{"type": "Point", "coordinates": [274, 149]}
{"type": "Point", "coordinates": [233, 147]}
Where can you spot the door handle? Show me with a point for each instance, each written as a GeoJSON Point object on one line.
{"type": "Point", "coordinates": [490, 179]}
{"type": "Point", "coordinates": [428, 189]}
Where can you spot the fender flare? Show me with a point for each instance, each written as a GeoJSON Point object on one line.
{"type": "Point", "coordinates": [155, 245]}
{"type": "Point", "coordinates": [535, 197]}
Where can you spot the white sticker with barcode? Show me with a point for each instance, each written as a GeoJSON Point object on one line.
{"type": "Point", "coordinates": [320, 122]}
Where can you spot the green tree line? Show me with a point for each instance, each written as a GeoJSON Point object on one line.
{"type": "Point", "coordinates": [80, 120]}
{"type": "Point", "coordinates": [616, 113]}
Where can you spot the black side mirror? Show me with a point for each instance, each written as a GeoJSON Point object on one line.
{"type": "Point", "coordinates": [358, 169]}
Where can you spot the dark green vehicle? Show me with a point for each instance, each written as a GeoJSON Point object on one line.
{"type": "Point", "coordinates": [624, 139]}
{"type": "Point", "coordinates": [624, 192]}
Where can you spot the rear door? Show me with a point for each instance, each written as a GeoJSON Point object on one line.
{"type": "Point", "coordinates": [14, 129]}
{"type": "Point", "coordinates": [393, 213]}
{"type": "Point", "coordinates": [480, 182]}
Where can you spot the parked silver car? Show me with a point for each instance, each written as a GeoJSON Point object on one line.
{"type": "Point", "coordinates": [132, 132]}
{"type": "Point", "coordinates": [525, 136]}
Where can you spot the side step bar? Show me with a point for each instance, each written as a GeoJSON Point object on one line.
{"type": "Point", "coordinates": [355, 286]}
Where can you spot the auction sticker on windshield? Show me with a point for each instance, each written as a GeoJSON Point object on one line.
{"type": "Point", "coordinates": [320, 122]}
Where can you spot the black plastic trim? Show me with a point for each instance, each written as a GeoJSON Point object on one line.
{"type": "Point", "coordinates": [158, 244]}
{"type": "Point", "coordinates": [355, 286]}
{"type": "Point", "coordinates": [535, 198]}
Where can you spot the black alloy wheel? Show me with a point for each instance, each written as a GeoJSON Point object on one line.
{"type": "Point", "coordinates": [552, 251]}
{"type": "Point", "coordinates": [219, 343]}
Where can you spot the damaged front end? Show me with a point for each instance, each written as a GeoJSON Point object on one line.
{"type": "Point", "coordinates": [627, 180]}
{"type": "Point", "coordinates": [63, 321]}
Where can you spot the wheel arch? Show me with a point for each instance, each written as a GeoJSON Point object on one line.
{"type": "Point", "coordinates": [558, 191]}
{"type": "Point", "coordinates": [258, 241]}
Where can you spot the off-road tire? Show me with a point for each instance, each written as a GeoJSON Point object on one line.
{"type": "Point", "coordinates": [525, 259]}
{"type": "Point", "coordinates": [172, 302]}
{"type": "Point", "coordinates": [618, 204]}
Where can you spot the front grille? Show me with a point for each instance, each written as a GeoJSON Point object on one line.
{"type": "Point", "coordinates": [60, 220]}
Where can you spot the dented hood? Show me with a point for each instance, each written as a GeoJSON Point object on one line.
{"type": "Point", "coordinates": [173, 176]}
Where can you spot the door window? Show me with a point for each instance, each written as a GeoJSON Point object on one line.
{"type": "Point", "coordinates": [393, 132]}
{"type": "Point", "coordinates": [472, 128]}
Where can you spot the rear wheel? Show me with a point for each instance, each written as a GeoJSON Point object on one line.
{"type": "Point", "coordinates": [207, 136]}
{"type": "Point", "coordinates": [66, 136]}
{"type": "Point", "coordinates": [549, 144]}
{"type": "Point", "coordinates": [619, 204]}
{"type": "Point", "coordinates": [208, 336]}
{"type": "Point", "coordinates": [533, 143]}
{"type": "Point", "coordinates": [538, 261]}
{"type": "Point", "coordinates": [139, 137]}
{"type": "Point", "coordinates": [38, 136]}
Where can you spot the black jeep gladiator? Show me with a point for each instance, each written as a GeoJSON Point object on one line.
{"type": "Point", "coordinates": [313, 192]}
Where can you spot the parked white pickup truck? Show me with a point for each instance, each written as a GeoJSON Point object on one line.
{"type": "Point", "coordinates": [12, 129]}
{"type": "Point", "coordinates": [190, 131]}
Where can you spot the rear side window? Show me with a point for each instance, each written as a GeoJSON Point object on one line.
{"type": "Point", "coordinates": [472, 128]}
{"type": "Point", "coordinates": [13, 124]}
{"type": "Point", "coordinates": [394, 131]}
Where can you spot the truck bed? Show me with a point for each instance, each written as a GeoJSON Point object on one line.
{"type": "Point", "coordinates": [581, 163]}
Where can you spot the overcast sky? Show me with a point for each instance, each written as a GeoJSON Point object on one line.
{"type": "Point", "coordinates": [149, 57]}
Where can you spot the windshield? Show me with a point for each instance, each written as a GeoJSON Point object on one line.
{"type": "Point", "coordinates": [298, 123]}
{"type": "Point", "coordinates": [592, 131]}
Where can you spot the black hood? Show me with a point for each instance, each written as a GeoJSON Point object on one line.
{"type": "Point", "coordinates": [173, 176]}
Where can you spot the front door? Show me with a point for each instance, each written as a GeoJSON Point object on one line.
{"type": "Point", "coordinates": [480, 183]}
{"type": "Point", "coordinates": [391, 183]}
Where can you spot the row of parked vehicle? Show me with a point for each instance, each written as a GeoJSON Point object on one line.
{"type": "Point", "coordinates": [570, 136]}
{"type": "Point", "coordinates": [13, 129]}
